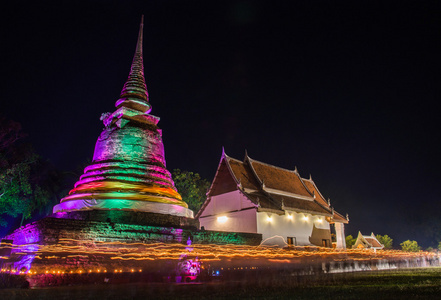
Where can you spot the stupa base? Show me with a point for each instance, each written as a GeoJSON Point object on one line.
{"type": "Point", "coordinates": [94, 242]}
{"type": "Point", "coordinates": [129, 217]}
{"type": "Point", "coordinates": [124, 205]}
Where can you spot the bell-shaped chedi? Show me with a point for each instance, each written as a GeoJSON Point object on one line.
{"type": "Point", "coordinates": [128, 170]}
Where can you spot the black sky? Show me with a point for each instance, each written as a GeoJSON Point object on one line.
{"type": "Point", "coordinates": [347, 91]}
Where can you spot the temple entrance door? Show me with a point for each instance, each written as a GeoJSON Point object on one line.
{"type": "Point", "coordinates": [291, 241]}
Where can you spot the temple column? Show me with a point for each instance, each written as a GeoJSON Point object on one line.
{"type": "Point", "coordinates": [340, 235]}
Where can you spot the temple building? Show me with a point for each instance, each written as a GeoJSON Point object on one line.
{"type": "Point", "coordinates": [128, 171]}
{"type": "Point", "coordinates": [255, 197]}
{"type": "Point", "coordinates": [367, 242]}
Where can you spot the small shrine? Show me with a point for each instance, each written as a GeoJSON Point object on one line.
{"type": "Point", "coordinates": [367, 242]}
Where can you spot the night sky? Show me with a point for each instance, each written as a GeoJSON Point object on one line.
{"type": "Point", "coordinates": [345, 90]}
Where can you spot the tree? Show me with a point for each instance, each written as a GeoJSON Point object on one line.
{"type": "Point", "coordinates": [350, 241]}
{"type": "Point", "coordinates": [20, 189]}
{"type": "Point", "coordinates": [439, 246]}
{"type": "Point", "coordinates": [385, 240]}
{"type": "Point", "coordinates": [410, 246]}
{"type": "Point", "coordinates": [192, 188]}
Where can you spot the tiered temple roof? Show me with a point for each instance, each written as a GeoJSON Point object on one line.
{"type": "Point", "coordinates": [128, 171]}
{"type": "Point", "coordinates": [270, 188]}
{"type": "Point", "coordinates": [367, 241]}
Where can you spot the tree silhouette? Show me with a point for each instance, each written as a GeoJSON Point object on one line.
{"type": "Point", "coordinates": [22, 189]}
{"type": "Point", "coordinates": [410, 246]}
{"type": "Point", "coordinates": [192, 188]}
{"type": "Point", "coordinates": [385, 240]}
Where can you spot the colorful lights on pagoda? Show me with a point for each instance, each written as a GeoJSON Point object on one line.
{"type": "Point", "coordinates": [128, 170]}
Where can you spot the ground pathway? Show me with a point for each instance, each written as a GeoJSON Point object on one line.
{"type": "Point", "coordinates": [421, 283]}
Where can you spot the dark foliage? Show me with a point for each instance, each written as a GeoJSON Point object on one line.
{"type": "Point", "coordinates": [13, 281]}
{"type": "Point", "coordinates": [28, 183]}
{"type": "Point", "coordinates": [192, 188]}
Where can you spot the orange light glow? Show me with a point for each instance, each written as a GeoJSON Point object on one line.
{"type": "Point", "coordinates": [119, 256]}
{"type": "Point", "coordinates": [222, 219]}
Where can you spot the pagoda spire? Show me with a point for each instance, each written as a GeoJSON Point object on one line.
{"type": "Point", "coordinates": [134, 93]}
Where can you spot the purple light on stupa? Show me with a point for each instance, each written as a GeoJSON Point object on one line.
{"type": "Point", "coordinates": [128, 171]}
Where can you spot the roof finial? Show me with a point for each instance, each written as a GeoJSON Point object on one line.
{"type": "Point", "coordinates": [239, 185]}
{"type": "Point", "coordinates": [134, 93]}
{"type": "Point", "coordinates": [140, 34]}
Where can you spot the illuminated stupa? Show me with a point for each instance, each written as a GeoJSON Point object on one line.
{"type": "Point", "coordinates": [128, 171]}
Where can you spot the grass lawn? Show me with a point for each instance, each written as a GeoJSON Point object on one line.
{"type": "Point", "coordinates": [421, 283]}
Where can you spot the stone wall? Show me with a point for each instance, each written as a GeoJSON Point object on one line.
{"type": "Point", "coordinates": [130, 217]}
{"type": "Point", "coordinates": [224, 238]}
{"type": "Point", "coordinates": [51, 230]}
{"type": "Point", "coordinates": [61, 244]}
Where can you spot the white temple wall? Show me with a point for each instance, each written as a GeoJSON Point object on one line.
{"type": "Point", "coordinates": [234, 212]}
{"type": "Point", "coordinates": [227, 202]}
{"type": "Point", "coordinates": [229, 212]}
{"type": "Point", "coordinates": [292, 224]}
{"type": "Point", "coordinates": [238, 221]}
